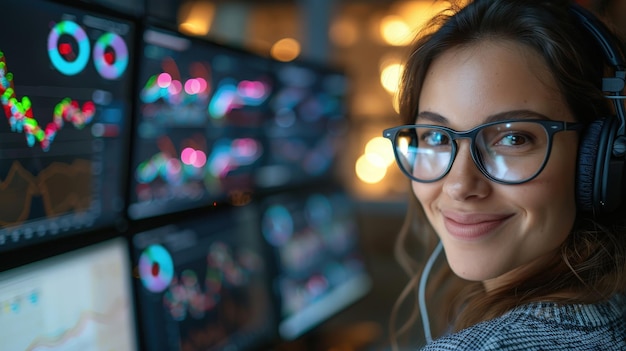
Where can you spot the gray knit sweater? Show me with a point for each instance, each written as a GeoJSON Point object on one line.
{"type": "Point", "coordinates": [545, 327]}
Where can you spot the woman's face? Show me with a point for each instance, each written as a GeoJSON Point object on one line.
{"type": "Point", "coordinates": [489, 229]}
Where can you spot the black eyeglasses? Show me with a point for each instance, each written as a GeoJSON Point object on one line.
{"type": "Point", "coordinates": [506, 152]}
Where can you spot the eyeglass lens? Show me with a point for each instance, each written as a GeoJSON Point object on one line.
{"type": "Point", "coordinates": [508, 151]}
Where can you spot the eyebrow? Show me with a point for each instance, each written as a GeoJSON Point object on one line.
{"type": "Point", "coordinates": [436, 118]}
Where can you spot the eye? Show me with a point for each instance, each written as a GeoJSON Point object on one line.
{"type": "Point", "coordinates": [433, 137]}
{"type": "Point", "coordinates": [514, 139]}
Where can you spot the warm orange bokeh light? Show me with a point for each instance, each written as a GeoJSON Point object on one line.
{"type": "Point", "coordinates": [195, 17]}
{"type": "Point", "coordinates": [286, 49]}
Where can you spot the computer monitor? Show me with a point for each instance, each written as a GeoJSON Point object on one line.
{"type": "Point", "coordinates": [307, 128]}
{"type": "Point", "coordinates": [164, 11]}
{"type": "Point", "coordinates": [201, 106]}
{"type": "Point", "coordinates": [65, 83]}
{"type": "Point", "coordinates": [320, 269]}
{"type": "Point", "coordinates": [203, 284]}
{"type": "Point", "coordinates": [78, 300]}
{"type": "Point", "coordinates": [135, 8]}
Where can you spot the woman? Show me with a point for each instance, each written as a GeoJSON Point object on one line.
{"type": "Point", "coordinates": [495, 101]}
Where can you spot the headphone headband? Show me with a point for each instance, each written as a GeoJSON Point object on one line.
{"type": "Point", "coordinates": [604, 39]}
{"type": "Point", "coordinates": [613, 86]}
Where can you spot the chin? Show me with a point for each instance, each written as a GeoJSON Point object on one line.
{"type": "Point", "coordinates": [477, 271]}
{"type": "Point", "coordinates": [472, 276]}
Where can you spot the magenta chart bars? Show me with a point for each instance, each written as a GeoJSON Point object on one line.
{"type": "Point", "coordinates": [65, 80]}
{"type": "Point", "coordinates": [197, 135]}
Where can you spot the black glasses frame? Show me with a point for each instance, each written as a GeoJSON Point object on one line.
{"type": "Point", "coordinates": [551, 128]}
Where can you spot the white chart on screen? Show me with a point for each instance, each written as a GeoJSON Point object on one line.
{"type": "Point", "coordinates": [80, 302]}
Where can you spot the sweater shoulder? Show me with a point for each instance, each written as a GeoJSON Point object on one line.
{"type": "Point", "coordinates": [544, 327]}
{"type": "Point", "coordinates": [483, 336]}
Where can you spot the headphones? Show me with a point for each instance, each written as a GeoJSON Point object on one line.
{"type": "Point", "coordinates": [602, 149]}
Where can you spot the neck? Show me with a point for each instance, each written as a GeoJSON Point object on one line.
{"type": "Point", "coordinates": [521, 273]}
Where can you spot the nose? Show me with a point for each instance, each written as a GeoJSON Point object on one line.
{"type": "Point", "coordinates": [464, 181]}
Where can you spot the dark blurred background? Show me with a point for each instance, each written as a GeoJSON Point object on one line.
{"type": "Point", "coordinates": [367, 39]}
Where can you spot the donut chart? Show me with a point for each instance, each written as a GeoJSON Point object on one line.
{"type": "Point", "coordinates": [156, 268]}
{"type": "Point", "coordinates": [110, 55]}
{"type": "Point", "coordinates": [62, 55]}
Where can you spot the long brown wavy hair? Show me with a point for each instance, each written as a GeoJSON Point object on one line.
{"type": "Point", "coordinates": [591, 264]}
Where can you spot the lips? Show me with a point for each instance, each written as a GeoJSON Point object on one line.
{"type": "Point", "coordinates": [473, 226]}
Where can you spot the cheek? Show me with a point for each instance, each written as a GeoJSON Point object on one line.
{"type": "Point", "coordinates": [416, 189]}
{"type": "Point", "coordinates": [550, 199]}
{"type": "Point", "coordinates": [425, 193]}
{"type": "Point", "coordinates": [548, 205]}
{"type": "Point", "coordinates": [563, 176]}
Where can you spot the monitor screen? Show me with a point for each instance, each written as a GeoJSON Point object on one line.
{"type": "Point", "coordinates": [65, 85]}
{"type": "Point", "coordinates": [79, 300]}
{"type": "Point", "coordinates": [164, 10]}
{"type": "Point", "coordinates": [203, 284]}
{"type": "Point", "coordinates": [130, 7]}
{"type": "Point", "coordinates": [307, 127]}
{"type": "Point", "coordinates": [197, 134]}
{"type": "Point", "coordinates": [320, 267]}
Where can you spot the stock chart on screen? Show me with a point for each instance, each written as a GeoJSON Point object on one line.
{"type": "Point", "coordinates": [320, 268]}
{"type": "Point", "coordinates": [197, 135]}
{"type": "Point", "coordinates": [307, 127]}
{"type": "Point", "coordinates": [64, 85]}
{"type": "Point", "coordinates": [203, 284]}
{"type": "Point", "coordinates": [76, 301]}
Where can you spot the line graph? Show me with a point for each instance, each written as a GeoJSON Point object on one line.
{"type": "Point", "coordinates": [16, 193]}
{"type": "Point", "coordinates": [19, 113]}
{"type": "Point", "coordinates": [62, 188]}
{"type": "Point", "coordinates": [177, 94]}
{"type": "Point", "coordinates": [86, 327]}
{"type": "Point", "coordinates": [78, 301]}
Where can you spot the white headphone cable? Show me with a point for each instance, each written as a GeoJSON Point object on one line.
{"type": "Point", "coordinates": [422, 291]}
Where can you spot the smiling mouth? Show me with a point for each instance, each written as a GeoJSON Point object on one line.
{"type": "Point", "coordinates": [472, 228]}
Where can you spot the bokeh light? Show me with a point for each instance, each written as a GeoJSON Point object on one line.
{"type": "Point", "coordinates": [371, 167]}
{"type": "Point", "coordinates": [378, 150]}
{"type": "Point", "coordinates": [395, 31]}
{"type": "Point", "coordinates": [286, 49]}
{"type": "Point", "coordinates": [369, 172]}
{"type": "Point", "coordinates": [195, 17]}
{"type": "Point", "coordinates": [390, 76]}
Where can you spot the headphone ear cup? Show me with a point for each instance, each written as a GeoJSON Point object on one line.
{"type": "Point", "coordinates": [586, 170]}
